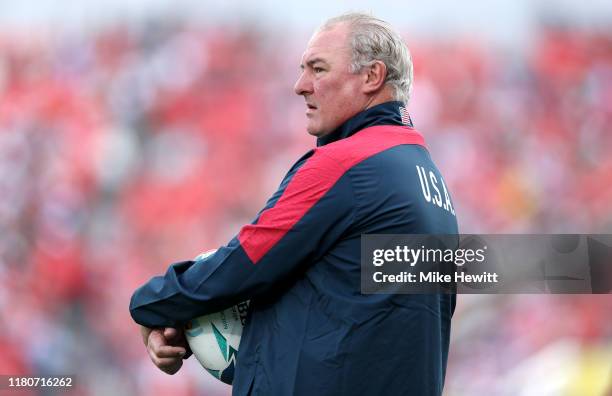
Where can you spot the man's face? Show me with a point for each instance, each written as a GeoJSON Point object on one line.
{"type": "Point", "coordinates": [332, 93]}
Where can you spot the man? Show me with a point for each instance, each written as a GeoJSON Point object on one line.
{"type": "Point", "coordinates": [310, 330]}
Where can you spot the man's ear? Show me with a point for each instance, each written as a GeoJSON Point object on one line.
{"type": "Point", "coordinates": [375, 77]}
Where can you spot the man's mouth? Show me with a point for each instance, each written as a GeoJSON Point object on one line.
{"type": "Point", "coordinates": [310, 106]}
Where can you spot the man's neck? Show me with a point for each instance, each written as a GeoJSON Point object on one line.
{"type": "Point", "coordinates": [382, 96]}
{"type": "Point", "coordinates": [387, 113]}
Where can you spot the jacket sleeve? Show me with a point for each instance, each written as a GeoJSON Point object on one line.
{"type": "Point", "coordinates": [309, 213]}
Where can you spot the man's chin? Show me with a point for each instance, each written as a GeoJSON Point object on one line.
{"type": "Point", "coordinates": [316, 132]}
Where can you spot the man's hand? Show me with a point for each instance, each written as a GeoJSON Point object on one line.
{"type": "Point", "coordinates": [166, 347]}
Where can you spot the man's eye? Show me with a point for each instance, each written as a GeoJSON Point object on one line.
{"type": "Point", "coordinates": [317, 69]}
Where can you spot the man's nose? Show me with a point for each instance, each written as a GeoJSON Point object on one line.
{"type": "Point", "coordinates": [303, 86]}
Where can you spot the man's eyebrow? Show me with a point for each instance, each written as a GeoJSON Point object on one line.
{"type": "Point", "coordinates": [312, 62]}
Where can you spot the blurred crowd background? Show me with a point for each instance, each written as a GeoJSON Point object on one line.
{"type": "Point", "coordinates": [126, 148]}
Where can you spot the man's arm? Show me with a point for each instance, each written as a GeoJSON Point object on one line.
{"type": "Point", "coordinates": [311, 212]}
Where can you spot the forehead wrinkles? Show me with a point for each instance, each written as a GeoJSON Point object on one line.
{"type": "Point", "coordinates": [327, 43]}
{"type": "Point", "coordinates": [325, 53]}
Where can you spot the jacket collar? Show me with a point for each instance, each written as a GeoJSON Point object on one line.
{"type": "Point", "coordinates": [388, 113]}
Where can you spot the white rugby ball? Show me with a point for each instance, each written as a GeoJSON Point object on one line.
{"type": "Point", "coordinates": [214, 338]}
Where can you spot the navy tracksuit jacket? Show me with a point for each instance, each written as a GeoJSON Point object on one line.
{"type": "Point", "coordinates": [310, 330]}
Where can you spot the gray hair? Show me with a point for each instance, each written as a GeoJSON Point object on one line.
{"type": "Point", "coordinates": [373, 39]}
